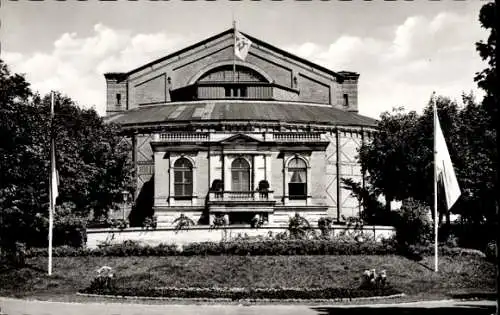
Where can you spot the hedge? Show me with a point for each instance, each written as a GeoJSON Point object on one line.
{"type": "Point", "coordinates": [240, 248]}
{"type": "Point", "coordinates": [244, 248]}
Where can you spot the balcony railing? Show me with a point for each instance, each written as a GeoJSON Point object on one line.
{"type": "Point", "coordinates": [296, 137]}
{"type": "Point", "coordinates": [247, 196]}
{"type": "Point", "coordinates": [181, 136]}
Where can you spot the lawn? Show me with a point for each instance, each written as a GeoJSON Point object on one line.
{"type": "Point", "coordinates": [416, 279]}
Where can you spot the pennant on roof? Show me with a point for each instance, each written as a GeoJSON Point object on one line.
{"type": "Point", "coordinates": [241, 46]}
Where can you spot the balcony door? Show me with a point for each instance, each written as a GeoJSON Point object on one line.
{"type": "Point", "coordinates": [240, 175]}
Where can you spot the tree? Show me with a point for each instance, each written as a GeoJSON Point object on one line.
{"type": "Point", "coordinates": [92, 159]}
{"type": "Point", "coordinates": [488, 78]}
{"type": "Point", "coordinates": [389, 158]}
{"type": "Point", "coordinates": [399, 160]}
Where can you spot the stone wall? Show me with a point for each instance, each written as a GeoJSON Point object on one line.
{"type": "Point", "coordinates": [202, 234]}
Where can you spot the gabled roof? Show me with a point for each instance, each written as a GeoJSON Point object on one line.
{"type": "Point", "coordinates": [253, 39]}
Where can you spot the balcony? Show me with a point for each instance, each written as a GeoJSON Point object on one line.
{"type": "Point", "coordinates": [297, 137]}
{"type": "Point", "coordinates": [181, 137]}
{"type": "Point", "coordinates": [246, 197]}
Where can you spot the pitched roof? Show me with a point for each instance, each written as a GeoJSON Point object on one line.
{"type": "Point", "coordinates": [253, 39]}
{"type": "Point", "coordinates": [235, 110]}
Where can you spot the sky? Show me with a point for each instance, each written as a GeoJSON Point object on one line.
{"type": "Point", "coordinates": [403, 50]}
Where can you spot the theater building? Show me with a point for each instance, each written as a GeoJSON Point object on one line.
{"type": "Point", "coordinates": [268, 133]}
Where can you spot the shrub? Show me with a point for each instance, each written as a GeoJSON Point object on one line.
{"type": "Point", "coordinates": [491, 251]}
{"type": "Point", "coordinates": [354, 231]}
{"type": "Point", "coordinates": [150, 222]}
{"type": "Point", "coordinates": [104, 282]}
{"type": "Point", "coordinates": [371, 280]}
{"type": "Point", "coordinates": [325, 226]}
{"type": "Point", "coordinates": [120, 224]}
{"type": "Point", "coordinates": [183, 223]}
{"type": "Point", "coordinates": [299, 227]}
{"type": "Point", "coordinates": [413, 226]}
{"type": "Point", "coordinates": [257, 248]}
{"type": "Point", "coordinates": [257, 221]}
{"type": "Point", "coordinates": [220, 220]}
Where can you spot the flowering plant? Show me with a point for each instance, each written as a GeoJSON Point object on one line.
{"type": "Point", "coordinates": [104, 280]}
{"type": "Point", "coordinates": [371, 280]}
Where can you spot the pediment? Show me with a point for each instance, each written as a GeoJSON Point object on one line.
{"type": "Point", "coordinates": [240, 139]}
{"type": "Point", "coordinates": [212, 62]}
{"type": "Point", "coordinates": [219, 49]}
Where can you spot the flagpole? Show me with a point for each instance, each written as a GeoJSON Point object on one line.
{"type": "Point", "coordinates": [234, 50]}
{"type": "Point", "coordinates": [434, 109]}
{"type": "Point", "coordinates": [51, 193]}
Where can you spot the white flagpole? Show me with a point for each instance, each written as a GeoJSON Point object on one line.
{"type": "Point", "coordinates": [51, 193]}
{"type": "Point", "coordinates": [434, 109]}
{"type": "Point", "coordinates": [234, 51]}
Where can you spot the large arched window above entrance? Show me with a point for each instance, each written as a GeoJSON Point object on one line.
{"type": "Point", "coordinates": [240, 175]}
{"type": "Point", "coordinates": [223, 81]}
{"type": "Point", "coordinates": [183, 179]}
{"type": "Point", "coordinates": [297, 176]}
{"type": "Point", "coordinates": [226, 73]}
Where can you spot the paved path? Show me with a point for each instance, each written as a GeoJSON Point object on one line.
{"type": "Point", "coordinates": [20, 307]}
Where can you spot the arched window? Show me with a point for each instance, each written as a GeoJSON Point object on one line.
{"type": "Point", "coordinates": [240, 175]}
{"type": "Point", "coordinates": [297, 179]}
{"type": "Point", "coordinates": [183, 178]}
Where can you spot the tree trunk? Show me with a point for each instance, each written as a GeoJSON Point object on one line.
{"type": "Point", "coordinates": [388, 200]}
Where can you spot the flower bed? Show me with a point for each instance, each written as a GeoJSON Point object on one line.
{"type": "Point", "coordinates": [246, 293]}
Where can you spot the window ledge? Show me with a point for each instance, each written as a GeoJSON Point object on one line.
{"type": "Point", "coordinates": [183, 197]}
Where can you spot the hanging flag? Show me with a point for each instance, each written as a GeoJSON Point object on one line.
{"type": "Point", "coordinates": [445, 174]}
{"type": "Point", "coordinates": [241, 45]}
{"type": "Point", "coordinates": [53, 182]}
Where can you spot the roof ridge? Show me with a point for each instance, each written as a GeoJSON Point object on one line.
{"type": "Point", "coordinates": [253, 39]}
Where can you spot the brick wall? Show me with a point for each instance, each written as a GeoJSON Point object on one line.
{"type": "Point", "coordinates": [152, 91]}
{"type": "Point", "coordinates": [349, 87]}
{"type": "Point", "coordinates": [152, 84]}
{"type": "Point", "coordinates": [116, 86]}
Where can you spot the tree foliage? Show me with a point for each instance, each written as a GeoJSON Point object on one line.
{"type": "Point", "coordinates": [92, 159]}
{"type": "Point", "coordinates": [399, 160]}
{"type": "Point", "coordinates": [487, 79]}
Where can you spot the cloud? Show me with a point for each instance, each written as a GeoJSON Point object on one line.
{"type": "Point", "coordinates": [76, 64]}
{"type": "Point", "coordinates": [422, 55]}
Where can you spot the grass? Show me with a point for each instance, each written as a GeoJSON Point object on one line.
{"type": "Point", "coordinates": [416, 279]}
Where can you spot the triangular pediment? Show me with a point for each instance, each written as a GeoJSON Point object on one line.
{"type": "Point", "coordinates": [209, 47]}
{"type": "Point", "coordinates": [240, 139]}
{"type": "Point", "coordinates": [210, 70]}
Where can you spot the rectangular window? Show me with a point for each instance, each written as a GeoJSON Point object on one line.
{"type": "Point", "coordinates": [346, 100]}
{"type": "Point", "coordinates": [240, 181]}
{"type": "Point", "coordinates": [235, 92]}
{"type": "Point", "coordinates": [118, 99]}
{"type": "Point", "coordinates": [297, 187]}
{"type": "Point", "coordinates": [183, 186]}
{"type": "Point", "coordinates": [297, 191]}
